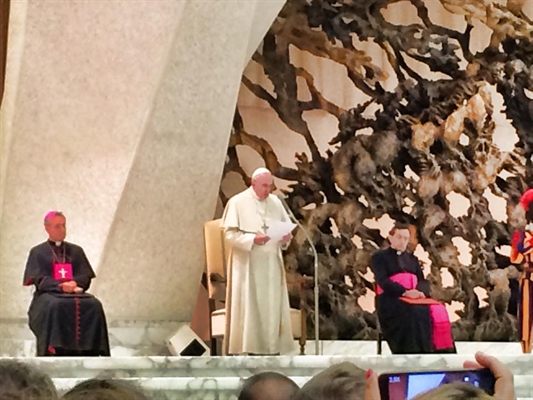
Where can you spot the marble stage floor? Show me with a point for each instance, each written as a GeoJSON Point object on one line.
{"type": "Point", "coordinates": [218, 378]}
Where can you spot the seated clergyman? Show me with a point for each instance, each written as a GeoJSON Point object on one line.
{"type": "Point", "coordinates": [65, 318]}
{"type": "Point", "coordinates": [411, 321]}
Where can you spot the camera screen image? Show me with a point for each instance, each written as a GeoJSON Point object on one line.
{"type": "Point", "coordinates": [408, 386]}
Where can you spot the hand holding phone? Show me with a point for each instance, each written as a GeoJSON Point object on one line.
{"type": "Point", "coordinates": [408, 385]}
{"type": "Point", "coordinates": [504, 386]}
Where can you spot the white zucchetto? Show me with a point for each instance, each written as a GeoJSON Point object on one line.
{"type": "Point", "coordinates": [260, 171]}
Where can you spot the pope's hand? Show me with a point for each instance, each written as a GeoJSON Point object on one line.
{"type": "Point", "coordinates": [286, 239]}
{"type": "Point", "coordinates": [260, 239]}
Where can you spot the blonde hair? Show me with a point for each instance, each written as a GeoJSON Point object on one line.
{"type": "Point", "coordinates": [344, 381]}
{"type": "Point", "coordinates": [455, 391]}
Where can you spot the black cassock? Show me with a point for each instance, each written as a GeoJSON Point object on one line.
{"type": "Point", "coordinates": [405, 327]}
{"type": "Point", "coordinates": [64, 323]}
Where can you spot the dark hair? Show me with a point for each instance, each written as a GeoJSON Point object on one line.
{"type": "Point", "coordinates": [24, 382]}
{"type": "Point", "coordinates": [398, 226]}
{"type": "Point", "coordinates": [257, 387]}
{"type": "Point", "coordinates": [344, 381]}
{"type": "Point", "coordinates": [104, 389]}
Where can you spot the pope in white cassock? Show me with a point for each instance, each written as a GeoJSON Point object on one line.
{"type": "Point", "coordinates": [258, 319]}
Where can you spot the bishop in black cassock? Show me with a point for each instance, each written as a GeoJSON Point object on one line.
{"type": "Point", "coordinates": [408, 327]}
{"type": "Point", "coordinates": [65, 318]}
{"type": "Point", "coordinates": [405, 327]}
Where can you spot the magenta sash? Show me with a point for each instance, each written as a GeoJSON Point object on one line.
{"type": "Point", "coordinates": [442, 329]}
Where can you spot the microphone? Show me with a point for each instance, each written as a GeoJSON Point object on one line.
{"type": "Point", "coordinates": [281, 197]}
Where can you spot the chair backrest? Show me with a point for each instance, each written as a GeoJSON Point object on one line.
{"type": "Point", "coordinates": [215, 257]}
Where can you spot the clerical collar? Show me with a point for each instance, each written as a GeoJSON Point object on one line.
{"type": "Point", "coordinates": [55, 243]}
{"type": "Point", "coordinates": [397, 252]}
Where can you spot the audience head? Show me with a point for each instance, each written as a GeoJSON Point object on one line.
{"type": "Point", "coordinates": [455, 391]}
{"type": "Point", "coordinates": [268, 386]}
{"type": "Point", "coordinates": [55, 225]}
{"type": "Point", "coordinates": [104, 389]}
{"type": "Point", "coordinates": [342, 381]}
{"type": "Point", "coordinates": [20, 381]}
{"type": "Point", "coordinates": [262, 182]}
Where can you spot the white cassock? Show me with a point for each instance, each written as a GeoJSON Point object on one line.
{"type": "Point", "coordinates": [257, 299]}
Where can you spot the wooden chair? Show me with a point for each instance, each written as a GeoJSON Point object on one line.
{"type": "Point", "coordinates": [216, 254]}
{"type": "Point", "coordinates": [215, 258]}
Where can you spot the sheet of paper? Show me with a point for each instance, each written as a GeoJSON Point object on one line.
{"type": "Point", "coordinates": [277, 229]}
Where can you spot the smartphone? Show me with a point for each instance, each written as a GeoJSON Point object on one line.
{"type": "Point", "coordinates": [407, 385]}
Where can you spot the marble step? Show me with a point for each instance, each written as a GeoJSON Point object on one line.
{"type": "Point", "coordinates": [219, 377]}
{"type": "Point", "coordinates": [84, 367]}
{"type": "Point", "coordinates": [23, 345]}
{"type": "Point", "coordinates": [17, 347]}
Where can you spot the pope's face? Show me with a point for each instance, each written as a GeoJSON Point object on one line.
{"type": "Point", "coordinates": [400, 239]}
{"type": "Point", "coordinates": [56, 228]}
{"type": "Point", "coordinates": [261, 185]}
